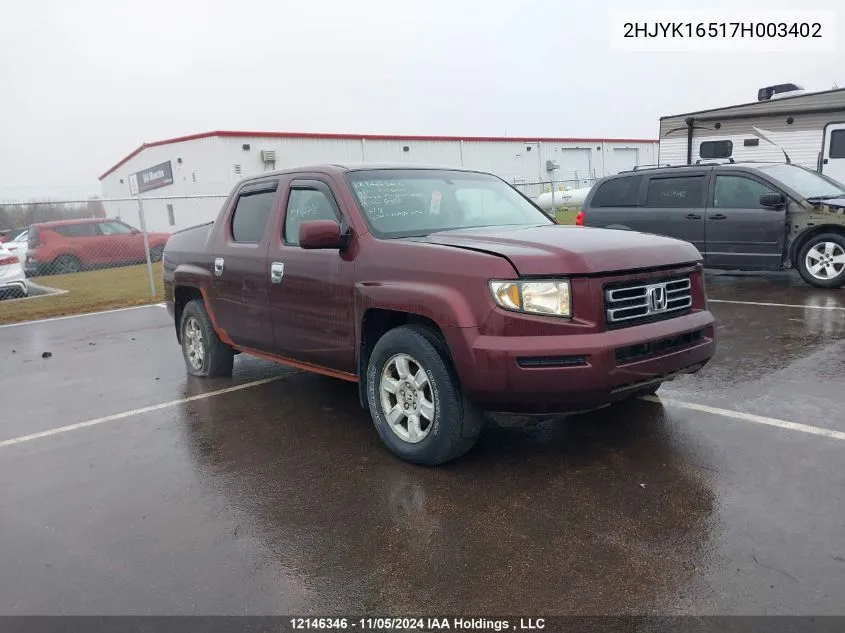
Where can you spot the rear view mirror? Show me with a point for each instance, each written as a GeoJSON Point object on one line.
{"type": "Point", "coordinates": [773, 200]}
{"type": "Point", "coordinates": [321, 234]}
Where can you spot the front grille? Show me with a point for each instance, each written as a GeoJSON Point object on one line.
{"type": "Point", "coordinates": [639, 302]}
{"type": "Point", "coordinates": [643, 351]}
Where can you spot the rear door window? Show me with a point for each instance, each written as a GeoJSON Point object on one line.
{"type": "Point", "coordinates": [618, 192]}
{"type": "Point", "coordinates": [249, 219]}
{"type": "Point", "coordinates": [678, 192]}
{"type": "Point", "coordinates": [77, 230]}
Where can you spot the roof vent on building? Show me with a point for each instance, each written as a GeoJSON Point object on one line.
{"type": "Point", "coordinates": [779, 91]}
{"type": "Point", "coordinates": [268, 155]}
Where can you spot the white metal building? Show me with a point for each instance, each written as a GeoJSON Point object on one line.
{"type": "Point", "coordinates": [212, 162]}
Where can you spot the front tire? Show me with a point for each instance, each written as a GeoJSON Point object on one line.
{"type": "Point", "coordinates": [204, 353]}
{"type": "Point", "coordinates": [156, 253]}
{"type": "Point", "coordinates": [415, 398]}
{"type": "Point", "coordinates": [821, 261]}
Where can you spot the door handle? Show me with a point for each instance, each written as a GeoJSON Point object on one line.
{"type": "Point", "coordinates": [218, 266]}
{"type": "Point", "coordinates": [718, 216]}
{"type": "Point", "coordinates": [692, 216]}
{"type": "Point", "coordinates": [277, 269]}
{"type": "Point", "coordinates": [825, 161]}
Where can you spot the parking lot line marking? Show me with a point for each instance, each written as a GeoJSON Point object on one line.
{"type": "Point", "coordinates": [126, 414]}
{"type": "Point", "coordinates": [748, 417]}
{"type": "Point", "coordinates": [85, 314]}
{"type": "Point", "coordinates": [777, 305]}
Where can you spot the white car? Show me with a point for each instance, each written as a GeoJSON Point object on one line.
{"type": "Point", "coordinates": [19, 246]}
{"type": "Point", "coordinates": [12, 278]}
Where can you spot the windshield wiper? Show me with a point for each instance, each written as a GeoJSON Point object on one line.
{"type": "Point", "coordinates": [830, 197]}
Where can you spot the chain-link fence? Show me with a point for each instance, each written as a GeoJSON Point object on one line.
{"type": "Point", "coordinates": [78, 256]}
{"type": "Point", "coordinates": [535, 189]}
{"type": "Point", "coordinates": [84, 255]}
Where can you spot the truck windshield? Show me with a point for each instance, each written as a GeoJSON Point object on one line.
{"type": "Point", "coordinates": [808, 184]}
{"type": "Point", "coordinates": [416, 202]}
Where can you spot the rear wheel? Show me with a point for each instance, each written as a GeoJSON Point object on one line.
{"type": "Point", "coordinates": [204, 353]}
{"type": "Point", "coordinates": [415, 398]}
{"type": "Point", "coordinates": [64, 265]}
{"type": "Point", "coordinates": [821, 261]}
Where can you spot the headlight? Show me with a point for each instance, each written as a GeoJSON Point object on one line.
{"type": "Point", "coordinates": [551, 297]}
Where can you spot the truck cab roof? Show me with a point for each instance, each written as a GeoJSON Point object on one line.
{"type": "Point", "coordinates": [342, 168]}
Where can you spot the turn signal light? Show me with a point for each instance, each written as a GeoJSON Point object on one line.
{"type": "Point", "coordinates": [579, 219]}
{"type": "Point", "coordinates": [5, 261]}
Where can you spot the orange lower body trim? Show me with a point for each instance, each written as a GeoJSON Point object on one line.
{"type": "Point", "coordinates": [317, 369]}
{"type": "Point", "coordinates": [223, 335]}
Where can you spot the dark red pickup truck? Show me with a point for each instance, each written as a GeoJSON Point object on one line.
{"type": "Point", "coordinates": [441, 292]}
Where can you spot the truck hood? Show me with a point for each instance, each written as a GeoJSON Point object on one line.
{"type": "Point", "coordinates": [556, 249]}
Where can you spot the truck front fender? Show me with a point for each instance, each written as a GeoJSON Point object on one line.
{"type": "Point", "coordinates": [444, 305]}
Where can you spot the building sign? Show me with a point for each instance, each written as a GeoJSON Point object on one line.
{"type": "Point", "coordinates": [160, 175]}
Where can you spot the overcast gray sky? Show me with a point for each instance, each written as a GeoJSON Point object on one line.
{"type": "Point", "coordinates": [83, 83]}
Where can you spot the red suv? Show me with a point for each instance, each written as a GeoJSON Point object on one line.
{"type": "Point", "coordinates": [68, 246]}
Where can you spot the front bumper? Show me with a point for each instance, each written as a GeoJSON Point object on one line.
{"type": "Point", "coordinates": [545, 374]}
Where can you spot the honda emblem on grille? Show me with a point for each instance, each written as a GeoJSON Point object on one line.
{"type": "Point", "coordinates": [657, 298]}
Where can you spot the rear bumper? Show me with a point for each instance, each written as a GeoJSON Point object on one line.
{"type": "Point", "coordinates": [542, 374]}
{"type": "Point", "coordinates": [16, 285]}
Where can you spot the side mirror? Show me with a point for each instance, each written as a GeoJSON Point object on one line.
{"type": "Point", "coordinates": [321, 234]}
{"type": "Point", "coordinates": [773, 200]}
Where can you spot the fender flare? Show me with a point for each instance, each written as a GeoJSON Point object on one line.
{"type": "Point", "coordinates": [799, 240]}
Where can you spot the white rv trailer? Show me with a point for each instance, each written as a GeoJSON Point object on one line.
{"type": "Point", "coordinates": [809, 127]}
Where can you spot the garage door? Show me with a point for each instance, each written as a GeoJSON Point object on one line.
{"type": "Point", "coordinates": [575, 164]}
{"type": "Point", "coordinates": [621, 158]}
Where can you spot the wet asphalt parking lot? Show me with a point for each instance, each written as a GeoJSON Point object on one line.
{"type": "Point", "coordinates": [127, 487]}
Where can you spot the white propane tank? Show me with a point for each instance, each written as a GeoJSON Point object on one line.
{"type": "Point", "coordinates": [570, 198]}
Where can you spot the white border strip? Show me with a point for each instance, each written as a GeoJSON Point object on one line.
{"type": "Point", "coordinates": [748, 417]}
{"type": "Point", "coordinates": [84, 314]}
{"type": "Point", "coordinates": [127, 414]}
{"type": "Point", "coordinates": [777, 305]}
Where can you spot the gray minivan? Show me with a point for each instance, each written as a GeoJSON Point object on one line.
{"type": "Point", "coordinates": [741, 216]}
